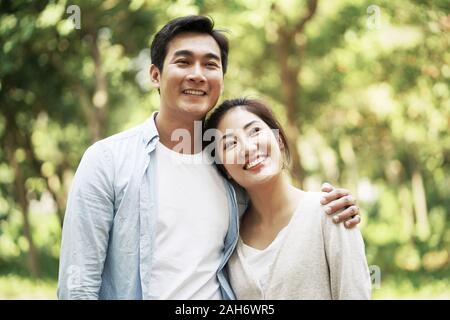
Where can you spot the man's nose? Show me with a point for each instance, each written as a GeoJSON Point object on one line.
{"type": "Point", "coordinates": [196, 74]}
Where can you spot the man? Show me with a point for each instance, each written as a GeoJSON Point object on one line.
{"type": "Point", "coordinates": [142, 220]}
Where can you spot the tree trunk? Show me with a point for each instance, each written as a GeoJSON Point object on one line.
{"type": "Point", "coordinates": [37, 164]}
{"type": "Point", "coordinates": [290, 90]}
{"type": "Point", "coordinates": [348, 156]}
{"type": "Point", "coordinates": [95, 107]}
{"type": "Point", "coordinates": [21, 194]}
{"type": "Point", "coordinates": [290, 86]}
{"type": "Point", "coordinates": [420, 204]}
{"type": "Point", "coordinates": [100, 98]}
{"type": "Point", "coordinates": [60, 204]}
{"type": "Point", "coordinates": [406, 208]}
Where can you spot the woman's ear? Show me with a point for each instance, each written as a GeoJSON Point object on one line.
{"type": "Point", "coordinates": [280, 142]}
{"type": "Point", "coordinates": [228, 175]}
{"type": "Point", "coordinates": [285, 164]}
{"type": "Point", "coordinates": [155, 76]}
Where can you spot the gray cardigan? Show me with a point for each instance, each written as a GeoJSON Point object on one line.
{"type": "Point", "coordinates": [317, 259]}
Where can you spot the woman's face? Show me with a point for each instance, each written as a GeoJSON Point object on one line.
{"type": "Point", "coordinates": [248, 148]}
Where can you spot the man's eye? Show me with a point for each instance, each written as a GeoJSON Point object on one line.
{"type": "Point", "coordinates": [183, 62]}
{"type": "Point", "coordinates": [212, 65]}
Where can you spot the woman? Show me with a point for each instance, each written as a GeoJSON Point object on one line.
{"type": "Point", "coordinates": [288, 247]}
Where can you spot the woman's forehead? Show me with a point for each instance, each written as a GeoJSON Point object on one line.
{"type": "Point", "coordinates": [238, 118]}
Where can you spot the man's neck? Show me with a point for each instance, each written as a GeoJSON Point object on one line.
{"type": "Point", "coordinates": [179, 133]}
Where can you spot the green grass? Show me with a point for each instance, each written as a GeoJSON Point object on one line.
{"type": "Point", "coordinates": [19, 288]}
{"type": "Point", "coordinates": [16, 287]}
{"type": "Point", "coordinates": [407, 289]}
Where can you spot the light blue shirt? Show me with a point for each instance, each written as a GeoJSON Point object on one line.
{"type": "Point", "coordinates": [108, 234]}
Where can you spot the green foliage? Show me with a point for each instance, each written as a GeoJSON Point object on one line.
{"type": "Point", "coordinates": [373, 115]}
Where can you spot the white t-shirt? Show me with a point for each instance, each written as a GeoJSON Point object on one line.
{"type": "Point", "coordinates": [260, 261]}
{"type": "Point", "coordinates": [191, 226]}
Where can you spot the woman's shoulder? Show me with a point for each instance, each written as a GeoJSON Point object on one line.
{"type": "Point", "coordinates": [311, 200]}
{"type": "Point", "coordinates": [309, 207]}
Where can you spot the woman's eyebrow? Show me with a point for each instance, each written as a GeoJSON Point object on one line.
{"type": "Point", "coordinates": [250, 123]}
{"type": "Point", "coordinates": [228, 135]}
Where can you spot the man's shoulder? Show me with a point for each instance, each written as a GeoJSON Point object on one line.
{"type": "Point", "coordinates": [123, 137]}
{"type": "Point", "coordinates": [118, 147]}
{"type": "Point", "coordinates": [131, 138]}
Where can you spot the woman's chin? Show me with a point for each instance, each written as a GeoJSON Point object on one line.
{"type": "Point", "coordinates": [257, 179]}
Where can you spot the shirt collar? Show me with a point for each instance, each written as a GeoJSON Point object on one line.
{"type": "Point", "coordinates": [150, 134]}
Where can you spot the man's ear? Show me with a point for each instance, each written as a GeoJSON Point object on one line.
{"type": "Point", "coordinates": [155, 76]}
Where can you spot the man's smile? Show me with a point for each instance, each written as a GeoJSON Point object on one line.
{"type": "Point", "coordinates": [194, 92]}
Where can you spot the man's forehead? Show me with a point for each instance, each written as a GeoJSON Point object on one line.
{"type": "Point", "coordinates": [197, 43]}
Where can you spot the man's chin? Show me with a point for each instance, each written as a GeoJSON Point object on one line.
{"type": "Point", "coordinates": [199, 110]}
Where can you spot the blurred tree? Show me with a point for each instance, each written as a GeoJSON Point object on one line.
{"type": "Point", "coordinates": [290, 47]}
{"type": "Point", "coordinates": [364, 97]}
{"type": "Point", "coordinates": [51, 69]}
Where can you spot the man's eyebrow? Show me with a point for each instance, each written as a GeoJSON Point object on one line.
{"type": "Point", "coordinates": [183, 53]}
{"type": "Point", "coordinates": [211, 55]}
{"type": "Point", "coordinates": [189, 53]}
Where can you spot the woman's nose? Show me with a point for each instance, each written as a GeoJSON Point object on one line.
{"type": "Point", "coordinates": [249, 147]}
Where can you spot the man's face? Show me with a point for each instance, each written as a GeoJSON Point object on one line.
{"type": "Point", "coordinates": [192, 77]}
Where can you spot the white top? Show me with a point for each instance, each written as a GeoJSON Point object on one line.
{"type": "Point", "coordinates": [191, 226]}
{"type": "Point", "coordinates": [260, 261]}
{"type": "Point", "coordinates": [316, 259]}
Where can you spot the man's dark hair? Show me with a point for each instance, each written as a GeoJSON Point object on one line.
{"type": "Point", "coordinates": [258, 108]}
{"type": "Point", "coordinates": [200, 24]}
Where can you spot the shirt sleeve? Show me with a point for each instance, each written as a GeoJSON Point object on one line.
{"type": "Point", "coordinates": [87, 222]}
{"type": "Point", "coordinates": [345, 253]}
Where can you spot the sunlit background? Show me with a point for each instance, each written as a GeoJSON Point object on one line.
{"type": "Point", "coordinates": [362, 88]}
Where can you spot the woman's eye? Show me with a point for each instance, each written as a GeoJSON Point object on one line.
{"type": "Point", "coordinates": [228, 144]}
{"type": "Point", "coordinates": [255, 130]}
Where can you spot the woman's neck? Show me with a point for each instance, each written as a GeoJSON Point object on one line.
{"type": "Point", "coordinates": [273, 200]}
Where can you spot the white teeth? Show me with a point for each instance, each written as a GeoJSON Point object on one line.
{"type": "Point", "coordinates": [254, 162]}
{"type": "Point", "coordinates": [194, 92]}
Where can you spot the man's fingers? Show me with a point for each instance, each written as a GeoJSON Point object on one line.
{"type": "Point", "coordinates": [333, 195]}
{"type": "Point", "coordinates": [353, 222]}
{"type": "Point", "coordinates": [341, 203]}
{"type": "Point", "coordinates": [347, 214]}
{"type": "Point", "coordinates": [326, 187]}
{"type": "Point", "coordinates": [340, 200]}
